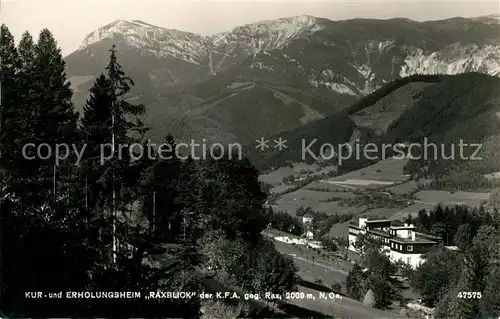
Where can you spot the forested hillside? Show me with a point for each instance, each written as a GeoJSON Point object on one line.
{"type": "Point", "coordinates": [75, 222]}
{"type": "Point", "coordinates": [447, 275]}
{"type": "Point", "coordinates": [453, 109]}
{"type": "Point", "coordinates": [463, 108]}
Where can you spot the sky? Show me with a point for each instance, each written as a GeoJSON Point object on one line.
{"type": "Point", "coordinates": [71, 20]}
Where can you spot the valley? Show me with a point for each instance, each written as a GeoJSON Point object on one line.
{"type": "Point", "coordinates": [342, 195]}
{"type": "Point", "coordinates": [353, 180]}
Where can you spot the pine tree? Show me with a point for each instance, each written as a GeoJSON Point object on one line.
{"type": "Point", "coordinates": [9, 68]}
{"type": "Point", "coordinates": [126, 129]}
{"type": "Point", "coordinates": [231, 197]}
{"type": "Point", "coordinates": [18, 117]}
{"type": "Point", "coordinates": [463, 237]}
{"type": "Point", "coordinates": [474, 274]}
{"type": "Point", "coordinates": [96, 131]}
{"type": "Point", "coordinates": [10, 65]}
{"type": "Point", "coordinates": [465, 308]}
{"type": "Point", "coordinates": [126, 115]}
{"type": "Point", "coordinates": [491, 301]}
{"type": "Point", "coordinates": [119, 177]}
{"type": "Point", "coordinates": [163, 181]}
{"type": "Point", "coordinates": [46, 116]}
{"type": "Point", "coordinates": [57, 118]}
{"type": "Point", "coordinates": [42, 253]}
{"type": "Point", "coordinates": [355, 283]}
{"type": "Point", "coordinates": [26, 50]}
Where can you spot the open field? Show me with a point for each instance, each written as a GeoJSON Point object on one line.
{"type": "Point", "coordinates": [362, 184]}
{"type": "Point", "coordinates": [432, 196]}
{"type": "Point", "coordinates": [304, 194]}
{"type": "Point", "coordinates": [428, 200]}
{"type": "Point", "coordinates": [379, 212]}
{"type": "Point", "coordinates": [281, 188]}
{"type": "Point", "coordinates": [290, 205]}
{"type": "Point", "coordinates": [380, 115]}
{"type": "Point", "coordinates": [405, 188]}
{"type": "Point", "coordinates": [413, 210]}
{"type": "Point", "coordinates": [389, 170]}
{"type": "Point", "coordinates": [327, 187]}
{"type": "Point", "coordinates": [447, 198]}
{"type": "Point", "coordinates": [298, 170]}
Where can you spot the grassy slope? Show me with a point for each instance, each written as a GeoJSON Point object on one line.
{"type": "Point", "coordinates": [390, 107]}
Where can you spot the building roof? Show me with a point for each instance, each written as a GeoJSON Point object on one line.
{"type": "Point", "coordinates": [378, 221]}
{"type": "Point", "coordinates": [410, 241]}
{"type": "Point", "coordinates": [402, 227]}
{"type": "Point", "coordinates": [308, 215]}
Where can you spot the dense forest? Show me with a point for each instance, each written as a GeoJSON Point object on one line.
{"type": "Point", "coordinates": [461, 109]}
{"type": "Point", "coordinates": [445, 222]}
{"type": "Point", "coordinates": [130, 223]}
{"type": "Point", "coordinates": [447, 274]}
{"type": "Point", "coordinates": [335, 129]}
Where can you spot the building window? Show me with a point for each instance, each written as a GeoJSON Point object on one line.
{"type": "Point", "coordinates": [392, 245]}
{"type": "Point", "coordinates": [408, 260]}
{"type": "Point", "coordinates": [409, 248]}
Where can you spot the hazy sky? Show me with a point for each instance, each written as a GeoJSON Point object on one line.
{"type": "Point", "coordinates": [71, 20]}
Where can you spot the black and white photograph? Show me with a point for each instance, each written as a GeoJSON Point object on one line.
{"type": "Point", "coordinates": [250, 159]}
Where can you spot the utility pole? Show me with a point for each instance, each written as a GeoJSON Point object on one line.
{"type": "Point", "coordinates": [54, 185]}
{"type": "Point", "coordinates": [154, 212]}
{"type": "Point", "coordinates": [86, 194]}
{"type": "Point", "coordinates": [2, 195]}
{"type": "Point", "coordinates": [113, 181]}
{"type": "Point", "coordinates": [184, 222]}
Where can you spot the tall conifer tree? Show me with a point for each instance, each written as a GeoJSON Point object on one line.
{"type": "Point", "coordinates": [9, 92]}
{"type": "Point", "coordinates": [96, 131]}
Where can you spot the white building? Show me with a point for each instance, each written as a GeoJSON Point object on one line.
{"type": "Point", "coordinates": [307, 220]}
{"type": "Point", "coordinates": [398, 242]}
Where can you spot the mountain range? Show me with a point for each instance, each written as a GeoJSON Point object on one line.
{"type": "Point", "coordinates": [276, 76]}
